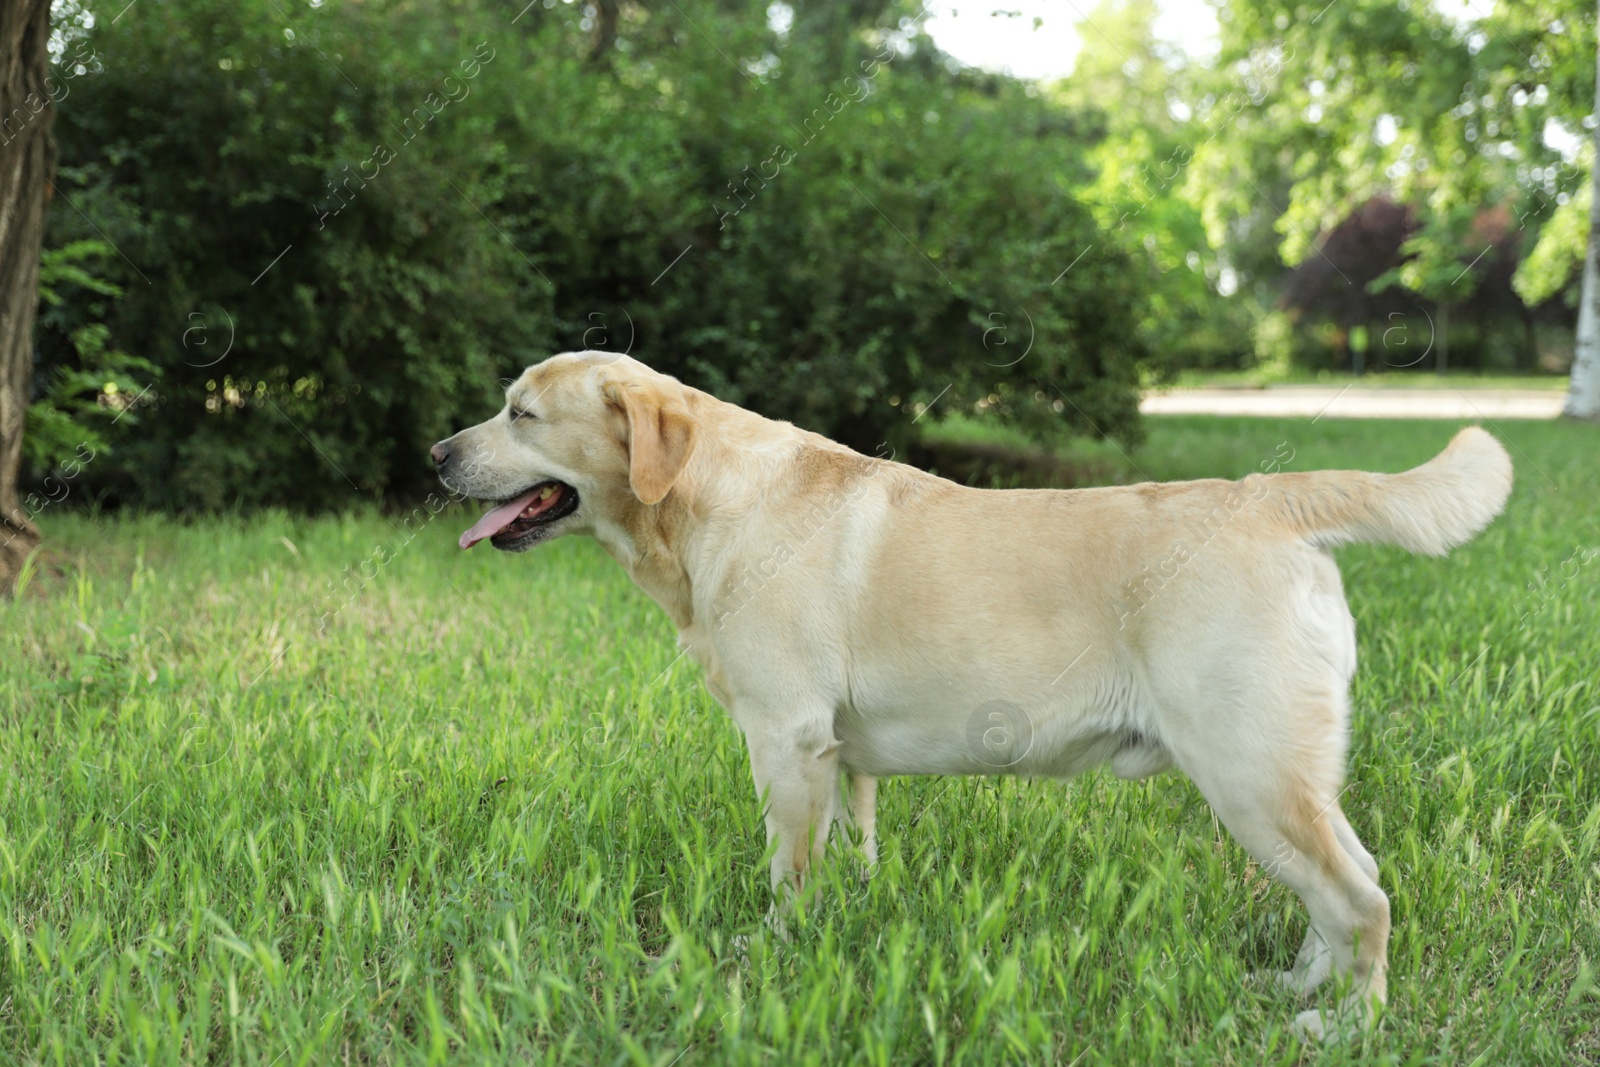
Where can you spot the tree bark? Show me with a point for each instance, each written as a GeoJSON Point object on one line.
{"type": "Point", "coordinates": [27, 163]}
{"type": "Point", "coordinates": [606, 15]}
{"type": "Point", "coordinates": [1583, 392]}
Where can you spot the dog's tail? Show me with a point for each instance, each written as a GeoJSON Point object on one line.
{"type": "Point", "coordinates": [1429, 509]}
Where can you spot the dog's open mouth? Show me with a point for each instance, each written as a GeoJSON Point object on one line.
{"type": "Point", "coordinates": [522, 517]}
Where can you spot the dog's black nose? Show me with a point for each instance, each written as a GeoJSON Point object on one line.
{"type": "Point", "coordinates": [440, 453]}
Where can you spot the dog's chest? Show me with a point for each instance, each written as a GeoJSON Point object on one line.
{"type": "Point", "coordinates": [698, 645]}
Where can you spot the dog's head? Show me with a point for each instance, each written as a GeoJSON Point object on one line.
{"type": "Point", "coordinates": [584, 438]}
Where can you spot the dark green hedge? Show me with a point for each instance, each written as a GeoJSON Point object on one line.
{"type": "Point", "coordinates": [339, 227]}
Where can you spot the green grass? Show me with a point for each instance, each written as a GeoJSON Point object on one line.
{"type": "Point", "coordinates": [484, 816]}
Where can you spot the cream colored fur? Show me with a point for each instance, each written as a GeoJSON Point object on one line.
{"type": "Point", "coordinates": [859, 617]}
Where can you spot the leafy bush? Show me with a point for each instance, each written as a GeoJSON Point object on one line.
{"type": "Point", "coordinates": [340, 226]}
{"type": "Point", "coordinates": [78, 402]}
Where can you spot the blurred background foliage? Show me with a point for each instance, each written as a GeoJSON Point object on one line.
{"type": "Point", "coordinates": [323, 233]}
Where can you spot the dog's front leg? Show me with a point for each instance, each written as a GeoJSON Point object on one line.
{"type": "Point", "coordinates": [795, 762]}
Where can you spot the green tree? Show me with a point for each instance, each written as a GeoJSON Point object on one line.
{"type": "Point", "coordinates": [1137, 89]}
{"type": "Point", "coordinates": [1387, 97]}
{"type": "Point", "coordinates": [819, 220]}
{"type": "Point", "coordinates": [27, 163]}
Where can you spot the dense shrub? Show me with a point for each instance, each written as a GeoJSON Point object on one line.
{"type": "Point", "coordinates": [338, 227]}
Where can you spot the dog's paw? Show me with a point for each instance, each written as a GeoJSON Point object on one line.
{"type": "Point", "coordinates": [1299, 982]}
{"type": "Point", "coordinates": [777, 922]}
{"type": "Point", "coordinates": [1349, 1022]}
{"type": "Point", "coordinates": [1272, 981]}
{"type": "Point", "coordinates": [1328, 1028]}
{"type": "Point", "coordinates": [739, 945]}
{"type": "Point", "coordinates": [742, 946]}
{"type": "Point", "coordinates": [1311, 968]}
{"type": "Point", "coordinates": [1310, 1028]}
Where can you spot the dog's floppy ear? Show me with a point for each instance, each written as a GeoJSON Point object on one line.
{"type": "Point", "coordinates": [660, 436]}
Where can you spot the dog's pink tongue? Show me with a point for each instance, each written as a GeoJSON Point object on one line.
{"type": "Point", "coordinates": [497, 520]}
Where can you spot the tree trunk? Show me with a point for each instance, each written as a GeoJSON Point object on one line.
{"type": "Point", "coordinates": [27, 163]}
{"type": "Point", "coordinates": [606, 15]}
{"type": "Point", "coordinates": [1583, 392]}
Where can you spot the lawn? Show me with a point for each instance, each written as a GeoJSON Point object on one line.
{"type": "Point", "coordinates": [279, 790]}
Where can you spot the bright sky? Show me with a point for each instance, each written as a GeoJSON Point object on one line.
{"type": "Point", "coordinates": [1040, 38]}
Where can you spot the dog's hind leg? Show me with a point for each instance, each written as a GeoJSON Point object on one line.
{"type": "Point", "coordinates": [1273, 777]}
{"type": "Point", "coordinates": [1314, 962]}
{"type": "Point", "coordinates": [1352, 844]}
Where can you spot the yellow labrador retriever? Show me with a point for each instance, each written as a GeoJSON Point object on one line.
{"type": "Point", "coordinates": [858, 615]}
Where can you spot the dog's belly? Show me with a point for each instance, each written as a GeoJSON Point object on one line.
{"type": "Point", "coordinates": [1056, 740]}
{"type": "Point", "coordinates": [897, 749]}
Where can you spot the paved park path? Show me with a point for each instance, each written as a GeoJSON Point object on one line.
{"type": "Point", "coordinates": [1358, 402]}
